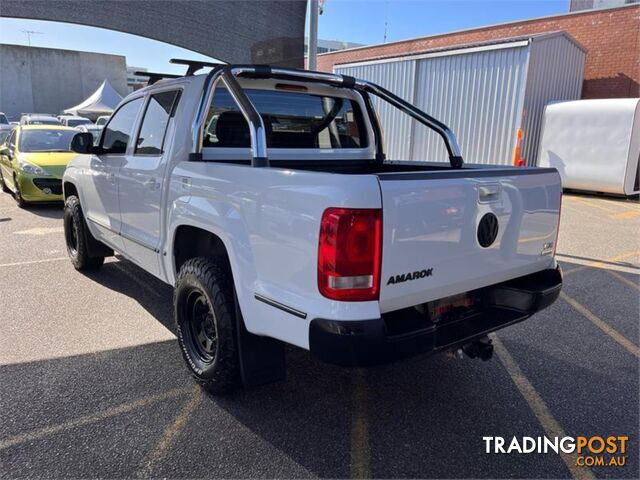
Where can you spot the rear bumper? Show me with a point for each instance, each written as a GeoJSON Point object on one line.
{"type": "Point", "coordinates": [376, 341]}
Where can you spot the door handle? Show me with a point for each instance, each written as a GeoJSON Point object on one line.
{"type": "Point", "coordinates": [489, 193]}
{"type": "Point", "coordinates": [111, 177]}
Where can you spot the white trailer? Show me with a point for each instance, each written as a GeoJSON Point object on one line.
{"type": "Point", "coordinates": [594, 144]}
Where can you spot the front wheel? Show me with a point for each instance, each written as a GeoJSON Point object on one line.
{"type": "Point", "coordinates": [3, 185]}
{"type": "Point", "coordinates": [204, 312]}
{"type": "Point", "coordinates": [75, 234]}
{"type": "Point", "coordinates": [17, 195]}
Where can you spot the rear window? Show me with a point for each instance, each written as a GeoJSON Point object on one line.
{"type": "Point", "coordinates": [292, 120]}
{"type": "Point", "coordinates": [43, 121]}
{"type": "Point", "coordinates": [76, 122]}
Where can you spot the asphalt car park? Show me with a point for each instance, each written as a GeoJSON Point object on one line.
{"type": "Point", "coordinates": [92, 383]}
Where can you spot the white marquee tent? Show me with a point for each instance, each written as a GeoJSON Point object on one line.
{"type": "Point", "coordinates": [101, 102]}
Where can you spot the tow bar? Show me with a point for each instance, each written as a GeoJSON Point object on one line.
{"type": "Point", "coordinates": [481, 348]}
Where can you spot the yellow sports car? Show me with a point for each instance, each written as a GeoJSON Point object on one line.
{"type": "Point", "coordinates": [32, 161]}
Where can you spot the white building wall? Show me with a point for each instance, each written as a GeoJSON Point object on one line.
{"type": "Point", "coordinates": [47, 80]}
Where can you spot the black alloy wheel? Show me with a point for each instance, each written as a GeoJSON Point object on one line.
{"type": "Point", "coordinates": [202, 326]}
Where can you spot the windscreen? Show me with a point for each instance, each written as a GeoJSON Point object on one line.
{"type": "Point", "coordinates": [292, 120]}
{"type": "Point", "coordinates": [46, 140]}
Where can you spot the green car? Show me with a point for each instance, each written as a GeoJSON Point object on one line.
{"type": "Point", "coordinates": [33, 160]}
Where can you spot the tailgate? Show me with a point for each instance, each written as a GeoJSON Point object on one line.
{"type": "Point", "coordinates": [436, 223]}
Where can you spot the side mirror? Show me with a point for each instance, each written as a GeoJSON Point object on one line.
{"type": "Point", "coordinates": [82, 143]}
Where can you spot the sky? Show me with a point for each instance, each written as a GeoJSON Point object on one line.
{"type": "Point", "coordinates": [363, 21]}
{"type": "Point", "coordinates": [360, 21]}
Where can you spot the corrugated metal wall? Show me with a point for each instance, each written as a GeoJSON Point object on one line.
{"type": "Point", "coordinates": [398, 77]}
{"type": "Point", "coordinates": [480, 96]}
{"type": "Point", "coordinates": [484, 96]}
{"type": "Point", "coordinates": [556, 71]}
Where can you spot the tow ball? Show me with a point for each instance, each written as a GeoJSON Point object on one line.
{"type": "Point", "coordinates": [481, 348]}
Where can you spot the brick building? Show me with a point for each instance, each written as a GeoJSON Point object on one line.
{"type": "Point", "coordinates": [611, 37]}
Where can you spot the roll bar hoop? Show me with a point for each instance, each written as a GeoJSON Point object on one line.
{"type": "Point", "coordinates": [227, 75]}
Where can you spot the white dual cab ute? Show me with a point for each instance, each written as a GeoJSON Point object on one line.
{"type": "Point", "coordinates": [263, 196]}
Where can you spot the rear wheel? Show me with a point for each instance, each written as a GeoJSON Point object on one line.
{"type": "Point", "coordinates": [76, 236]}
{"type": "Point", "coordinates": [204, 312]}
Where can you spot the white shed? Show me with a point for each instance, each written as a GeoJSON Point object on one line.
{"type": "Point", "coordinates": [484, 92]}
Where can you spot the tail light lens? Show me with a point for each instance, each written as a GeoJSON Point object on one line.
{"type": "Point", "coordinates": [349, 254]}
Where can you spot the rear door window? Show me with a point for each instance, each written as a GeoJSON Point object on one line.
{"type": "Point", "coordinates": [292, 120]}
{"type": "Point", "coordinates": [160, 109]}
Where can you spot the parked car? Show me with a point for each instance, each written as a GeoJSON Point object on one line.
{"type": "Point", "coordinates": [38, 119]}
{"type": "Point", "coordinates": [3, 119]}
{"type": "Point", "coordinates": [102, 120]}
{"type": "Point", "coordinates": [32, 162]}
{"type": "Point", "coordinates": [287, 224]}
{"type": "Point", "coordinates": [93, 129]}
{"type": "Point", "coordinates": [74, 121]}
{"type": "Point", "coordinates": [5, 130]}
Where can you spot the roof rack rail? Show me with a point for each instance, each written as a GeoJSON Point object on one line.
{"type": "Point", "coordinates": [154, 77]}
{"type": "Point", "coordinates": [194, 65]}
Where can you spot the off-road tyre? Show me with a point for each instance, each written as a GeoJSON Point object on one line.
{"type": "Point", "coordinates": [204, 283]}
{"type": "Point", "coordinates": [77, 236]}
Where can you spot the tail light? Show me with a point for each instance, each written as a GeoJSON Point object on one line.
{"type": "Point", "coordinates": [517, 161]}
{"type": "Point", "coordinates": [349, 254]}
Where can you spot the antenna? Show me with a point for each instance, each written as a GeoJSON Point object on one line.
{"type": "Point", "coordinates": [386, 20]}
{"type": "Point", "coordinates": [29, 33]}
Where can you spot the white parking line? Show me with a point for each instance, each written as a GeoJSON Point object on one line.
{"type": "Point", "coordinates": [93, 418]}
{"type": "Point", "coordinates": [32, 262]}
{"type": "Point", "coordinates": [360, 450]}
{"type": "Point", "coordinates": [539, 407]}
{"type": "Point", "coordinates": [39, 231]}
{"type": "Point", "coordinates": [602, 325]}
{"type": "Point", "coordinates": [170, 434]}
{"type": "Point", "coordinates": [631, 283]}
